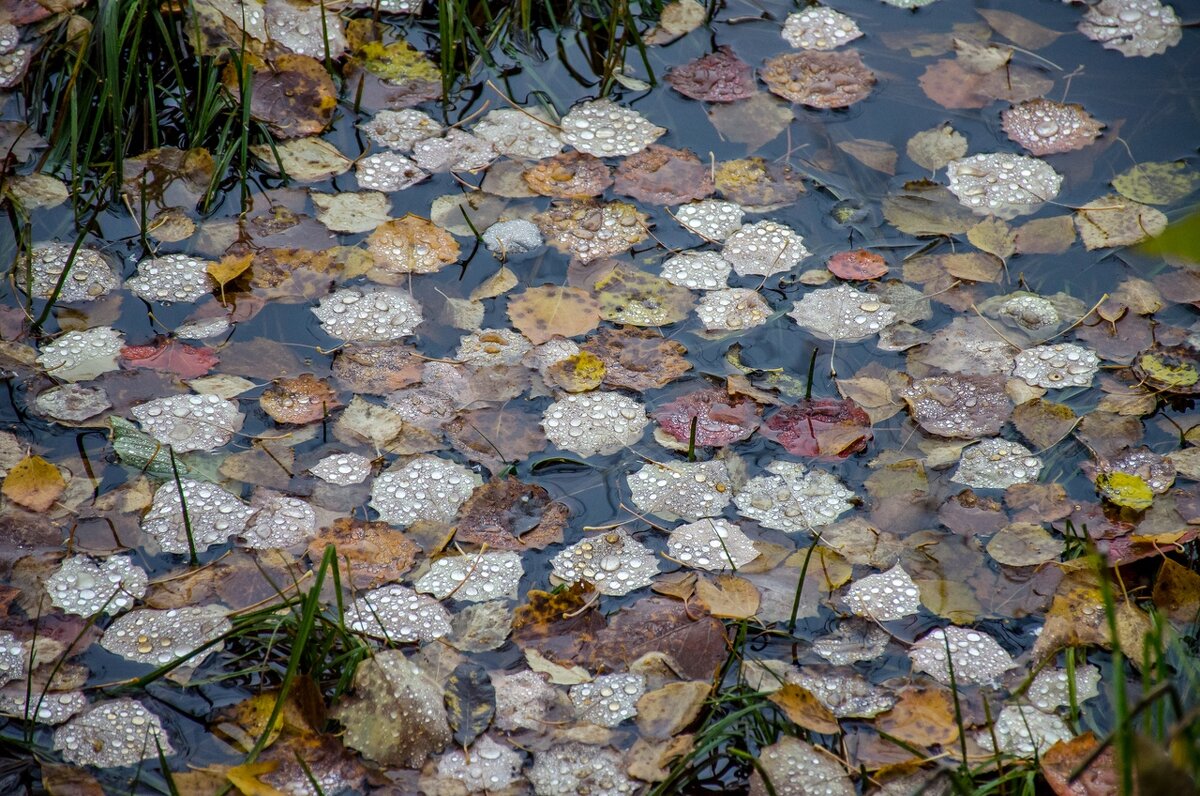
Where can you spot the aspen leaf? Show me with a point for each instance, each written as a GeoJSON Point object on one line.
{"type": "Point", "coordinates": [34, 483]}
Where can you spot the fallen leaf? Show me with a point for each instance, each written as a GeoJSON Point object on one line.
{"type": "Point", "coordinates": [34, 483]}
{"type": "Point", "coordinates": [879, 155]}
{"type": "Point", "coordinates": [923, 716]}
{"type": "Point", "coordinates": [168, 354]}
{"type": "Point", "coordinates": [719, 76]}
{"type": "Point", "coordinates": [805, 710]}
{"type": "Point", "coordinates": [822, 428]}
{"type": "Point", "coordinates": [637, 359]}
{"type": "Point", "coordinates": [728, 597]}
{"type": "Point", "coordinates": [667, 711]}
{"type": "Point", "coordinates": [470, 702]}
{"type": "Point", "coordinates": [291, 94]}
{"type": "Point", "coordinates": [541, 313]}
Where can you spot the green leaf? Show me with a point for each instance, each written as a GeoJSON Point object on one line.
{"type": "Point", "coordinates": [141, 452]}
{"type": "Point", "coordinates": [1158, 183]}
{"type": "Point", "coordinates": [1125, 489]}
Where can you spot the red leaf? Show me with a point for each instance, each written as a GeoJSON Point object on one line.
{"type": "Point", "coordinates": [185, 361]}
{"type": "Point", "coordinates": [824, 428]}
{"type": "Point", "coordinates": [720, 419]}
{"type": "Point", "coordinates": [718, 77]}
{"type": "Point", "coordinates": [857, 264]}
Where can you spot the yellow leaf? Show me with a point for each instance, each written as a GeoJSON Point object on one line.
{"type": "Point", "coordinates": [246, 778]}
{"type": "Point", "coordinates": [398, 62]}
{"type": "Point", "coordinates": [730, 597]}
{"type": "Point", "coordinates": [994, 237]}
{"type": "Point", "coordinates": [34, 483]}
{"type": "Point", "coordinates": [229, 268]}
{"type": "Point", "coordinates": [1125, 489]}
{"type": "Point", "coordinates": [801, 707]}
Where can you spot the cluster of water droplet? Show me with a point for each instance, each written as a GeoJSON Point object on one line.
{"type": "Point", "coordinates": [705, 270]}
{"type": "Point", "coordinates": [473, 578]}
{"type": "Point", "coordinates": [605, 129]}
{"type": "Point", "coordinates": [120, 732]}
{"type": "Point", "coordinates": [1002, 184]}
{"type": "Point", "coordinates": [819, 28]}
{"type": "Point", "coordinates": [1032, 313]}
{"type": "Point", "coordinates": [387, 171]}
{"type": "Point", "coordinates": [72, 403]}
{"type": "Point", "coordinates": [342, 469]}
{"type": "Point", "coordinates": [572, 769]}
{"type": "Point", "coordinates": [608, 700]}
{"type": "Point", "coordinates": [213, 515]}
{"type": "Point", "coordinates": [84, 587]}
{"type": "Point", "coordinates": [997, 464]}
{"type": "Point", "coordinates": [764, 248]}
{"type": "Point", "coordinates": [171, 277]}
{"type": "Point", "coordinates": [845, 692]}
{"type": "Point", "coordinates": [959, 406]}
{"type": "Point", "coordinates": [976, 656]}
{"type": "Point", "coordinates": [795, 768]}
{"type": "Point", "coordinates": [79, 356]}
{"type": "Point", "coordinates": [401, 129]}
{"type": "Point", "coordinates": [90, 276]}
{"type": "Point", "coordinates": [885, 596]}
{"type": "Point", "coordinates": [712, 219]}
{"type": "Point", "coordinates": [368, 314]}
{"type": "Point", "coordinates": [594, 422]}
{"type": "Point", "coordinates": [1132, 27]}
{"type": "Point", "coordinates": [1057, 366]}
{"type": "Point", "coordinates": [690, 490]}
{"type": "Point", "coordinates": [1023, 731]}
{"type": "Point", "coordinates": [280, 521]}
{"type": "Point", "coordinates": [842, 313]}
{"type": "Point", "coordinates": [793, 498]}
{"type": "Point", "coordinates": [852, 641]}
{"type": "Point", "coordinates": [161, 637]}
{"type": "Point", "coordinates": [518, 236]}
{"type": "Point", "coordinates": [190, 422]}
{"type": "Point", "coordinates": [819, 79]}
{"type": "Point", "coordinates": [14, 657]}
{"type": "Point", "coordinates": [519, 134]}
{"type": "Point", "coordinates": [488, 767]}
{"type": "Point", "coordinates": [53, 707]}
{"type": "Point", "coordinates": [712, 544]}
{"type": "Point", "coordinates": [493, 347]}
{"type": "Point", "coordinates": [398, 614]}
{"type": "Point", "coordinates": [590, 232]}
{"type": "Point", "coordinates": [732, 309]}
{"type": "Point", "coordinates": [1045, 127]}
{"type": "Point", "coordinates": [1157, 471]}
{"type": "Point", "coordinates": [613, 562]}
{"type": "Point", "coordinates": [424, 488]}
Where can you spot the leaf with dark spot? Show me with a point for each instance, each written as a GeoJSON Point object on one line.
{"type": "Point", "coordinates": [470, 702]}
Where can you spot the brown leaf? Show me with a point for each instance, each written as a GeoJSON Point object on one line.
{"type": "Point", "coordinates": [923, 716]}
{"type": "Point", "coordinates": [541, 313]}
{"type": "Point", "coordinates": [509, 515]}
{"type": "Point", "coordinates": [411, 245]}
{"type": "Point", "coordinates": [1077, 619]}
{"type": "Point", "coordinates": [819, 79]}
{"type": "Point", "coordinates": [560, 625]}
{"type": "Point", "coordinates": [291, 94]}
{"type": "Point", "coordinates": [571, 175]}
{"type": "Point", "coordinates": [1043, 422]}
{"type": "Point", "coordinates": [994, 237]}
{"type": "Point", "coordinates": [1052, 235]}
{"type": "Point", "coordinates": [950, 85]}
{"type": "Point", "coordinates": [664, 176]}
{"type": "Point", "coordinates": [729, 597]}
{"type": "Point", "coordinates": [304, 399]}
{"type": "Point", "coordinates": [1060, 761]}
{"type": "Point", "coordinates": [667, 711]}
{"type": "Point", "coordinates": [496, 437]}
{"type": "Point", "coordinates": [1177, 593]}
{"type": "Point", "coordinates": [720, 419]}
{"type": "Point", "coordinates": [34, 483]}
{"type": "Point", "coordinates": [592, 230]}
{"type": "Point", "coordinates": [377, 369]}
{"type": "Point", "coordinates": [370, 553]}
{"type": "Point", "coordinates": [1019, 30]}
{"type": "Point", "coordinates": [802, 708]}
{"type": "Point", "coordinates": [753, 121]}
{"type": "Point", "coordinates": [627, 295]}
{"type": "Point", "coordinates": [879, 155]}
{"type": "Point", "coordinates": [657, 624]}
{"type": "Point", "coordinates": [717, 77]}
{"type": "Point", "coordinates": [637, 359]}
{"type": "Point", "coordinates": [822, 428]}
{"type": "Point", "coordinates": [757, 183]}
{"type": "Point", "coordinates": [857, 264]}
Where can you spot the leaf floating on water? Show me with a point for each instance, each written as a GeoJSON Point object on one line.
{"type": "Point", "coordinates": [1157, 183]}
{"type": "Point", "coordinates": [279, 522]}
{"type": "Point", "coordinates": [637, 298]}
{"type": "Point", "coordinates": [423, 488]}
{"type": "Point", "coordinates": [73, 403]}
{"type": "Point", "coordinates": [1132, 27]}
{"type": "Point", "coordinates": [526, 133]}
{"type": "Point", "coordinates": [1045, 127]}
{"type": "Point", "coordinates": [1024, 544]}
{"type": "Point", "coordinates": [1125, 489]}
{"type": "Point", "coordinates": [589, 231]}
{"type": "Point", "coordinates": [793, 498]}
{"type": "Point", "coordinates": [719, 76]}
{"type": "Point", "coordinates": [613, 562]}
{"type": "Point", "coordinates": [360, 211]}
{"type": "Point", "coordinates": [976, 656]}
{"type": "Point", "coordinates": [368, 314]}
{"type": "Point", "coordinates": [387, 172]}
{"type": "Point", "coordinates": [473, 578]}
{"type": "Point", "coordinates": [823, 428]}
{"type": "Point", "coordinates": [841, 313]}
{"type": "Point", "coordinates": [1023, 732]}
{"type": "Point", "coordinates": [594, 423]}
{"type": "Point", "coordinates": [84, 587]}
{"type": "Point", "coordinates": [857, 264]}
{"type": "Point", "coordinates": [609, 700]}
{"type": "Point", "coordinates": [663, 176]}
{"type": "Point", "coordinates": [997, 464]}
{"type": "Point", "coordinates": [171, 277]}
{"type": "Point", "coordinates": [764, 248]}
{"type": "Point", "coordinates": [470, 703]}
{"type": "Point", "coordinates": [605, 129]}
{"type": "Point", "coordinates": [885, 596]}
{"type": "Point", "coordinates": [934, 148]}
{"type": "Point", "coordinates": [88, 274]}
{"type": "Point", "coordinates": [795, 768]}
{"type": "Point", "coordinates": [959, 406]}
{"type": "Point", "coordinates": [688, 490]}
{"type": "Point", "coordinates": [396, 715]}
{"type": "Point", "coordinates": [819, 28]}
{"type": "Point", "coordinates": [504, 239]}
{"type": "Point", "coordinates": [456, 151]}
{"type": "Point", "coordinates": [716, 545]}
{"type": "Point", "coordinates": [819, 79]}
{"type": "Point", "coordinates": [400, 130]}
{"type": "Point", "coordinates": [720, 419]}
{"type": "Point", "coordinates": [1002, 184]}
{"type": "Point", "coordinates": [852, 641]}
{"type": "Point", "coordinates": [377, 553]}
{"type": "Point", "coordinates": [398, 614]}
{"type": "Point", "coordinates": [573, 768]}
{"type": "Point", "coordinates": [412, 245]}
{"type": "Point", "coordinates": [1057, 366]}
{"type": "Point", "coordinates": [112, 734]}
{"type": "Point", "coordinates": [158, 638]}
{"type": "Point", "coordinates": [291, 94]}
{"type": "Point", "coordinates": [572, 175]}
{"type": "Point", "coordinates": [702, 270]}
{"type": "Point", "coordinates": [1116, 221]}
{"type": "Point", "coordinates": [213, 516]}
{"type": "Point", "coordinates": [541, 313]}
{"type": "Point", "coordinates": [190, 422]}
{"type": "Point", "coordinates": [733, 309]}
{"type": "Point", "coordinates": [711, 219]}
{"type": "Point", "coordinates": [924, 208]}
{"type": "Point", "coordinates": [758, 185]}
{"type": "Point", "coordinates": [486, 766]}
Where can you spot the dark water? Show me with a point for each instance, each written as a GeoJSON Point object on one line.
{"type": "Point", "coordinates": [1151, 102]}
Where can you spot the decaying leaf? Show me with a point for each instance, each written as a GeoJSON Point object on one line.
{"type": "Point", "coordinates": [541, 313]}
{"type": "Point", "coordinates": [819, 79]}
{"type": "Point", "coordinates": [719, 76]}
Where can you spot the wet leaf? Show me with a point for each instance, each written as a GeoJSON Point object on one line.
{"type": "Point", "coordinates": [1123, 25]}
{"type": "Point", "coordinates": [819, 79]}
{"type": "Point", "coordinates": [1125, 489]}
{"type": "Point", "coordinates": [635, 297]}
{"type": "Point", "coordinates": [34, 483]}
{"type": "Point", "coordinates": [1044, 423]}
{"type": "Point", "coordinates": [664, 176]}
{"type": "Point", "coordinates": [1116, 221]}
{"type": "Point", "coordinates": [398, 63]}
{"type": "Point", "coordinates": [1157, 183]}
{"type": "Point", "coordinates": [1024, 544]}
{"type": "Point", "coordinates": [308, 159]}
{"type": "Point", "coordinates": [1045, 127]}
{"type": "Point", "coordinates": [719, 76]}
{"type": "Point", "coordinates": [411, 245]}
{"type": "Point", "coordinates": [1019, 30]}
{"type": "Point", "coordinates": [590, 230]}
{"type": "Point", "coordinates": [573, 175]}
{"type": "Point", "coordinates": [923, 716]}
{"type": "Point", "coordinates": [756, 183]}
{"type": "Point", "coordinates": [637, 359]}
{"type": "Point", "coordinates": [803, 709]}
{"type": "Point", "coordinates": [1060, 761]}
{"type": "Point", "coordinates": [923, 208]}
{"type": "Point", "coordinates": [541, 313]}
{"type": "Point", "coordinates": [950, 85]}
{"type": "Point", "coordinates": [878, 155]}
{"type": "Point", "coordinates": [1077, 618]}
{"type": "Point", "coordinates": [658, 624]}
{"type": "Point", "coordinates": [360, 211]}
{"type": "Point", "coordinates": [994, 237]}
{"type": "Point", "coordinates": [841, 313]}
{"type": "Point", "coordinates": [304, 399]}
{"type": "Point", "coordinates": [823, 428]}
{"type": "Point", "coordinates": [291, 94]}
{"type": "Point", "coordinates": [790, 761]}
{"type": "Point", "coordinates": [497, 436]}
{"type": "Point", "coordinates": [729, 597]}
{"type": "Point", "coordinates": [857, 264]}
{"type": "Point", "coordinates": [470, 702]}
{"type": "Point", "coordinates": [374, 553]}
{"type": "Point", "coordinates": [934, 148]}
{"type": "Point", "coordinates": [604, 129]}
{"type": "Point", "coordinates": [667, 711]}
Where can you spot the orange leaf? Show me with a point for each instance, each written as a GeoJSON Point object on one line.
{"type": "Point", "coordinates": [803, 708]}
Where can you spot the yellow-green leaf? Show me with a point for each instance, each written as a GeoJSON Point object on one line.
{"type": "Point", "coordinates": [1125, 489]}
{"type": "Point", "coordinates": [1157, 183]}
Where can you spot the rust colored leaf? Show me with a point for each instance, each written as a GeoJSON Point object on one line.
{"type": "Point", "coordinates": [717, 77]}
{"type": "Point", "coordinates": [824, 428]}
{"type": "Point", "coordinates": [720, 419]}
{"type": "Point", "coordinates": [571, 175]}
{"type": "Point", "coordinates": [377, 369]}
{"type": "Point", "coordinates": [857, 264]}
{"type": "Point", "coordinates": [411, 245]}
{"type": "Point", "coordinates": [661, 175]}
{"type": "Point", "coordinates": [34, 483]}
{"type": "Point", "coordinates": [374, 553]}
{"type": "Point", "coordinates": [496, 437]}
{"type": "Point", "coordinates": [950, 85]}
{"type": "Point", "coordinates": [304, 399]}
{"type": "Point", "coordinates": [1100, 778]}
{"type": "Point", "coordinates": [541, 313]}
{"type": "Point", "coordinates": [637, 359]}
{"type": "Point", "coordinates": [185, 361]}
{"type": "Point", "coordinates": [507, 514]}
{"type": "Point", "coordinates": [819, 79]}
{"type": "Point", "coordinates": [1077, 619]}
{"type": "Point", "coordinates": [697, 645]}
